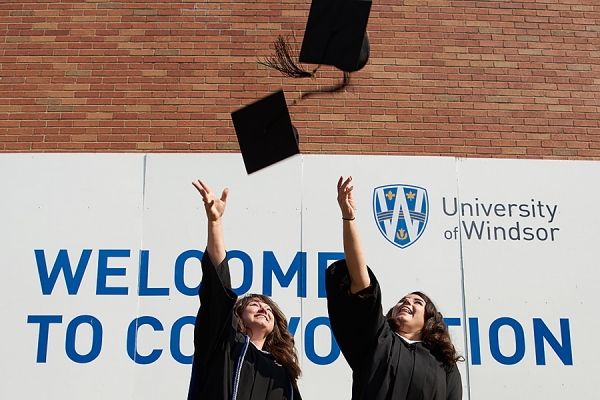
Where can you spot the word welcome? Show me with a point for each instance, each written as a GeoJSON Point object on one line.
{"type": "Point", "coordinates": [271, 268]}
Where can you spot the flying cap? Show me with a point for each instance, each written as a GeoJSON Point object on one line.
{"type": "Point", "coordinates": [336, 34]}
{"type": "Point", "coordinates": [265, 132]}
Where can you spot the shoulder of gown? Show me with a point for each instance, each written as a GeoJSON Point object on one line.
{"type": "Point", "coordinates": [356, 319]}
{"type": "Point", "coordinates": [453, 384]}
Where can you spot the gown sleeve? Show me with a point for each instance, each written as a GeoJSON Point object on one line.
{"type": "Point", "coordinates": [296, 394]}
{"type": "Point", "coordinates": [453, 385]}
{"type": "Point", "coordinates": [356, 319]}
{"type": "Point", "coordinates": [215, 315]}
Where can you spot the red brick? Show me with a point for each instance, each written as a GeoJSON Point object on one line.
{"type": "Point", "coordinates": [488, 79]}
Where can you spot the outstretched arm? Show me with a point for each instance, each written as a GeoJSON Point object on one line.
{"type": "Point", "coordinates": [215, 207]}
{"type": "Point", "coordinates": [353, 251]}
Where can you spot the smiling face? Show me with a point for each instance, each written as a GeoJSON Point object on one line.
{"type": "Point", "coordinates": [258, 316]}
{"type": "Point", "coordinates": [410, 313]}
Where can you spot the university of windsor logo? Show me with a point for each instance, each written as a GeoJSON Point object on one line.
{"type": "Point", "coordinates": [401, 213]}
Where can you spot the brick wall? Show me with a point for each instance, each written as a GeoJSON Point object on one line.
{"type": "Point", "coordinates": [459, 78]}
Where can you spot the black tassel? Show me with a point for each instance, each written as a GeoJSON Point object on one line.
{"type": "Point", "coordinates": [282, 61]}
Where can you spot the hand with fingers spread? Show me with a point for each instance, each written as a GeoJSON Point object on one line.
{"type": "Point", "coordinates": [345, 199]}
{"type": "Point", "coordinates": [215, 207]}
{"type": "Point", "coordinates": [353, 251]}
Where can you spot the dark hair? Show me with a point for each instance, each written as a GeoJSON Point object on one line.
{"type": "Point", "coordinates": [434, 333]}
{"type": "Point", "coordinates": [280, 343]}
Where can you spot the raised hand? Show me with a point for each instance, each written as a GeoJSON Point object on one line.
{"type": "Point", "coordinates": [344, 197]}
{"type": "Point", "coordinates": [214, 206]}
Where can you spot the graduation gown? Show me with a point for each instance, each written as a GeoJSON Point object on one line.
{"type": "Point", "coordinates": [384, 366]}
{"type": "Point", "coordinates": [220, 349]}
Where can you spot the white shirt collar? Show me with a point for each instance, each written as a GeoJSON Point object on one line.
{"type": "Point", "coordinates": [407, 340]}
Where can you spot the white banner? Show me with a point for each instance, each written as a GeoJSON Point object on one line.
{"type": "Point", "coordinates": [99, 265]}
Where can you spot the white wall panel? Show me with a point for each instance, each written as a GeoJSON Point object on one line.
{"type": "Point", "coordinates": [548, 272]}
{"type": "Point", "coordinates": [137, 215]}
{"type": "Point", "coordinates": [71, 203]}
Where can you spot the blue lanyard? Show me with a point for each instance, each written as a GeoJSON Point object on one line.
{"type": "Point", "coordinates": [238, 370]}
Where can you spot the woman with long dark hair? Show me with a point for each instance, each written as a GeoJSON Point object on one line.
{"type": "Point", "coordinates": [406, 354]}
{"type": "Point", "coordinates": [242, 347]}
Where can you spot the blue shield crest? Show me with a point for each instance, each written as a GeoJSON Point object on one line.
{"type": "Point", "coordinates": [401, 213]}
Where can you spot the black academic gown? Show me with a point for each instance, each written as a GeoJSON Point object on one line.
{"type": "Point", "coordinates": [384, 366]}
{"type": "Point", "coordinates": [219, 347]}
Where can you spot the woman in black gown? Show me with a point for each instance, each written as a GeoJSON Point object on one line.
{"type": "Point", "coordinates": [404, 355]}
{"type": "Point", "coordinates": [242, 347]}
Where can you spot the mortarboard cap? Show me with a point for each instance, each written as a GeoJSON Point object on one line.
{"type": "Point", "coordinates": [265, 132]}
{"type": "Point", "coordinates": [336, 34]}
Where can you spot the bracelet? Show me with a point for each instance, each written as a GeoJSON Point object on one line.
{"type": "Point", "coordinates": [349, 219]}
